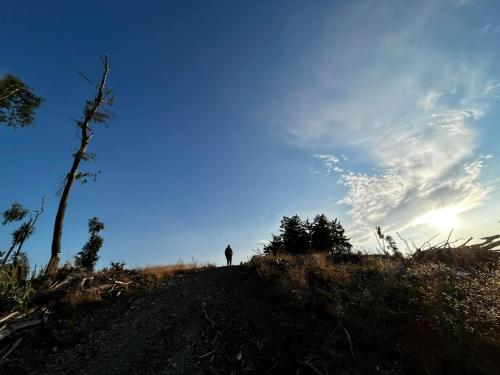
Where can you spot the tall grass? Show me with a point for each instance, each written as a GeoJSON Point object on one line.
{"type": "Point", "coordinates": [16, 287]}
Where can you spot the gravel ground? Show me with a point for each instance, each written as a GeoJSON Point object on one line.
{"type": "Point", "coordinates": [215, 321]}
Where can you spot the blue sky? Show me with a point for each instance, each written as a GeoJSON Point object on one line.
{"type": "Point", "coordinates": [230, 115]}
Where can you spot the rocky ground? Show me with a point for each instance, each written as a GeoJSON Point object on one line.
{"type": "Point", "coordinates": [215, 321]}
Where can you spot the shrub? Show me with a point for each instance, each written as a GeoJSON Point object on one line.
{"type": "Point", "coordinates": [15, 285]}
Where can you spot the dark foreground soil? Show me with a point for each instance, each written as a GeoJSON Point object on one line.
{"type": "Point", "coordinates": [216, 321]}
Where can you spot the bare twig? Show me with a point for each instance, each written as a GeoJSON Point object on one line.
{"type": "Point", "coordinates": [88, 80]}
{"type": "Point", "coordinates": [379, 245]}
{"type": "Point", "coordinates": [211, 321]}
{"type": "Point", "coordinates": [448, 240]}
{"type": "Point", "coordinates": [406, 242]}
{"type": "Point", "coordinates": [428, 242]}
{"type": "Point", "coordinates": [4, 357]}
{"type": "Point", "coordinates": [466, 242]}
{"type": "Point", "coordinates": [312, 367]}
{"type": "Point", "coordinates": [414, 246]}
{"type": "Point", "coordinates": [207, 354]}
{"type": "Point", "coordinates": [349, 339]}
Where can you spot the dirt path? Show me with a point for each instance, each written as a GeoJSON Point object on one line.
{"type": "Point", "coordinates": [218, 321]}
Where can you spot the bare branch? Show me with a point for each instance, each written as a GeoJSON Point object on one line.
{"type": "Point", "coordinates": [88, 80]}
{"type": "Point", "coordinates": [4, 357]}
{"type": "Point", "coordinates": [428, 242]}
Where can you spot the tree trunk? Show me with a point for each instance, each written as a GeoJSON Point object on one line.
{"type": "Point", "coordinates": [8, 254]}
{"type": "Point", "coordinates": [89, 115]}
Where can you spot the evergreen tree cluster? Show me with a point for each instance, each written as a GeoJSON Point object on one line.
{"type": "Point", "coordinates": [300, 237]}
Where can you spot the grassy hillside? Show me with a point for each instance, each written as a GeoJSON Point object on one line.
{"type": "Point", "coordinates": [395, 315]}
{"type": "Point", "coordinates": [436, 312]}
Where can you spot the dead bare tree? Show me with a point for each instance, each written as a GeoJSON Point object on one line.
{"type": "Point", "coordinates": [92, 113]}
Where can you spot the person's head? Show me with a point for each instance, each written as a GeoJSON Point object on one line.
{"type": "Point", "coordinates": [228, 245]}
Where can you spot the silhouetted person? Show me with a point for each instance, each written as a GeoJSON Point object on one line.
{"type": "Point", "coordinates": [229, 254]}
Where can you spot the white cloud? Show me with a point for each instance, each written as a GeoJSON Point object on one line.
{"type": "Point", "coordinates": [331, 162]}
{"type": "Point", "coordinates": [402, 105]}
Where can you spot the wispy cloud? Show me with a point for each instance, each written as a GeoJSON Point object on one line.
{"type": "Point", "coordinates": [331, 163]}
{"type": "Point", "coordinates": [465, 3]}
{"type": "Point", "coordinates": [404, 105]}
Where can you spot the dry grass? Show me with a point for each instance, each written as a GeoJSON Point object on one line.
{"type": "Point", "coordinates": [459, 257]}
{"type": "Point", "coordinates": [82, 296]}
{"type": "Point", "coordinates": [402, 315]}
{"type": "Point", "coordinates": [162, 271]}
{"type": "Point", "coordinates": [16, 288]}
{"type": "Point", "coordinates": [154, 274]}
{"type": "Point", "coordinates": [84, 287]}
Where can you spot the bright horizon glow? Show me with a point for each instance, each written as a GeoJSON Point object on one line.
{"type": "Point", "coordinates": [443, 219]}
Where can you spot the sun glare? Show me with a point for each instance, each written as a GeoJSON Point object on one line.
{"type": "Point", "coordinates": [442, 219]}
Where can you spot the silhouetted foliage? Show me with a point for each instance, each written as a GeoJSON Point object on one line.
{"type": "Point", "coordinates": [117, 266]}
{"type": "Point", "coordinates": [275, 246]}
{"type": "Point", "coordinates": [341, 244]}
{"type": "Point", "coordinates": [294, 235]}
{"type": "Point", "coordinates": [88, 256]}
{"type": "Point", "coordinates": [16, 213]}
{"type": "Point", "coordinates": [391, 243]}
{"type": "Point", "coordinates": [18, 102]}
{"type": "Point", "coordinates": [321, 234]}
{"type": "Point", "coordinates": [300, 237]}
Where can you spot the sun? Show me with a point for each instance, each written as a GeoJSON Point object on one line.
{"type": "Point", "coordinates": [443, 219]}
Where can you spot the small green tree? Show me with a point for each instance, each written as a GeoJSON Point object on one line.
{"type": "Point", "coordinates": [18, 102]}
{"type": "Point", "coordinates": [88, 256]}
{"type": "Point", "coordinates": [17, 212]}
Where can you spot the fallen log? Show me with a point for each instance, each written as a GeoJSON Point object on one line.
{"type": "Point", "coordinates": [9, 316]}
{"type": "Point", "coordinates": [17, 326]}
